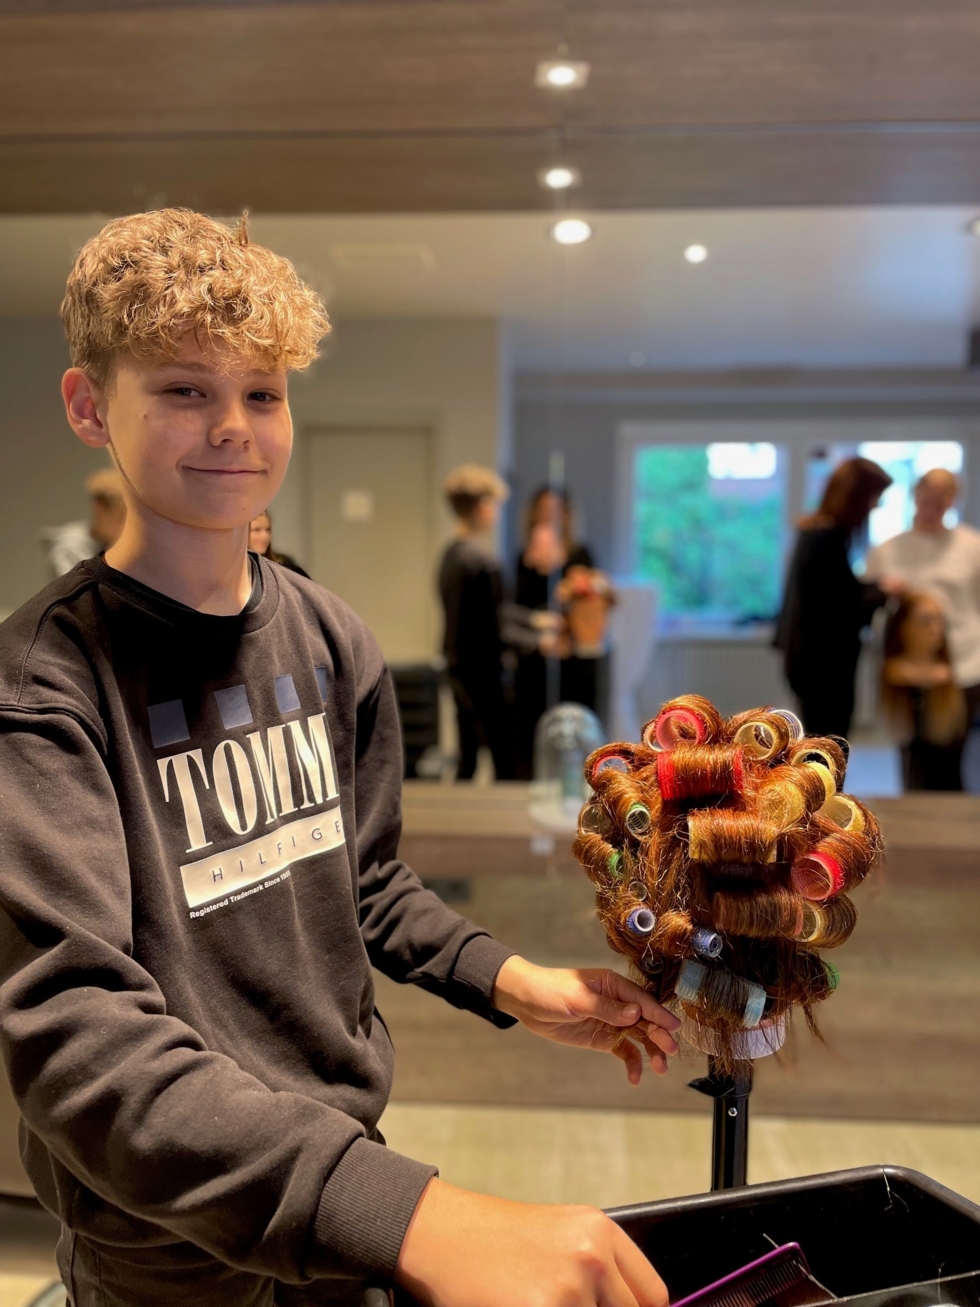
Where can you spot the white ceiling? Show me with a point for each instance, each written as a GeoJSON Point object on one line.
{"type": "Point", "coordinates": [883, 287]}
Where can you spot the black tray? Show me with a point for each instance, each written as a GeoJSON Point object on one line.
{"type": "Point", "coordinates": [877, 1235]}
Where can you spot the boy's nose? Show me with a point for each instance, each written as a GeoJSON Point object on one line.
{"type": "Point", "coordinates": [230, 424]}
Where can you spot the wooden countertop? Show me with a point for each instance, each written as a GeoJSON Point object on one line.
{"type": "Point", "coordinates": [947, 821]}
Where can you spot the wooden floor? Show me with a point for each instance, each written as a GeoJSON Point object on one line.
{"type": "Point", "coordinates": [901, 1034]}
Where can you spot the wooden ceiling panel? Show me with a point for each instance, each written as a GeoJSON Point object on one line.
{"type": "Point", "coordinates": [489, 174]}
{"type": "Point", "coordinates": [377, 105]}
{"type": "Point", "coordinates": [334, 69]}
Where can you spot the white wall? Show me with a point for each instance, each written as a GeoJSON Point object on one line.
{"type": "Point", "coordinates": [446, 375]}
{"type": "Point", "coordinates": [443, 374]}
{"type": "Point", "coordinates": [42, 464]}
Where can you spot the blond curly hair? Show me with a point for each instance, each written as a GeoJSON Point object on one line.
{"type": "Point", "coordinates": [147, 281]}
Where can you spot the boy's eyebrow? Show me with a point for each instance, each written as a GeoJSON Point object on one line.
{"type": "Point", "coordinates": [195, 365]}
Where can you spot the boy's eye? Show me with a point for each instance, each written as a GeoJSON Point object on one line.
{"type": "Point", "coordinates": [263, 396]}
{"type": "Point", "coordinates": [186, 391]}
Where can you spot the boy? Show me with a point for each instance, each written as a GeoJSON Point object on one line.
{"type": "Point", "coordinates": [200, 771]}
{"type": "Point", "coordinates": [471, 590]}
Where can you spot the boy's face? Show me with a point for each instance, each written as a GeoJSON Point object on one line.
{"type": "Point", "coordinates": [202, 440]}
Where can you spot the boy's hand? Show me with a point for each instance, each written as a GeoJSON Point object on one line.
{"type": "Point", "coordinates": [469, 1250]}
{"type": "Point", "coordinates": [591, 1008]}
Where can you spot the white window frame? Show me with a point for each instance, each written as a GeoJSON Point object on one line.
{"type": "Point", "coordinates": [799, 436]}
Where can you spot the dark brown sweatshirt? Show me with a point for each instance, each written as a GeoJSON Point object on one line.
{"type": "Point", "coordinates": [199, 821]}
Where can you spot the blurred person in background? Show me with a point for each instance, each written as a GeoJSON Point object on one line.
{"type": "Point", "coordinates": [563, 601]}
{"type": "Point", "coordinates": [944, 560]}
{"type": "Point", "coordinates": [825, 606]}
{"type": "Point", "coordinates": [920, 699]}
{"type": "Point", "coordinates": [260, 542]}
{"type": "Point", "coordinates": [471, 589]}
{"type": "Point", "coordinates": [73, 542]}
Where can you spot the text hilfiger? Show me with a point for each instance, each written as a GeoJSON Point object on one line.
{"type": "Point", "coordinates": [212, 878]}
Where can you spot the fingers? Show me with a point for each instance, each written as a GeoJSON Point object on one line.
{"type": "Point", "coordinates": [613, 1291]}
{"type": "Point", "coordinates": [643, 1283]}
{"type": "Point", "coordinates": [626, 991]}
{"type": "Point", "coordinates": [628, 1053]}
{"type": "Point", "coordinates": [658, 1059]}
{"type": "Point", "coordinates": [663, 1039]}
{"type": "Point", "coordinates": [605, 1008]}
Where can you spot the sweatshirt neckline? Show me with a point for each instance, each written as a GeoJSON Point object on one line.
{"type": "Point", "coordinates": [258, 611]}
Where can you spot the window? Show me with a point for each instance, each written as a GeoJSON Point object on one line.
{"type": "Point", "coordinates": [905, 461]}
{"type": "Point", "coordinates": [708, 528]}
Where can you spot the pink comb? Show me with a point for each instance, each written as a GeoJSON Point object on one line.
{"type": "Point", "coordinates": [763, 1281]}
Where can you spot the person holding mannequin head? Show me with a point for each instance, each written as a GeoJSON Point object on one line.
{"type": "Point", "coordinates": [944, 560]}
{"type": "Point", "coordinates": [825, 606]}
{"type": "Point", "coordinates": [550, 551]}
{"type": "Point", "coordinates": [260, 542]}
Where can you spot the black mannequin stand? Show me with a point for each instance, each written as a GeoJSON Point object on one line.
{"type": "Point", "coordinates": [730, 1144]}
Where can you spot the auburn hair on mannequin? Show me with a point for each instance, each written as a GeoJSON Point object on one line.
{"type": "Point", "coordinates": [723, 854]}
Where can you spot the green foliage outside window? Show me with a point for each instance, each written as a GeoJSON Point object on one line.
{"type": "Point", "coordinates": [713, 547]}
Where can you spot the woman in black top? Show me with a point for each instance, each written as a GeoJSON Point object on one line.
{"type": "Point", "coordinates": [260, 542]}
{"type": "Point", "coordinates": [550, 551]}
{"type": "Point", "coordinates": [825, 606]}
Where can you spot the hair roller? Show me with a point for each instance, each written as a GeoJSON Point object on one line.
{"type": "Point", "coordinates": [844, 812]}
{"type": "Point", "coordinates": [638, 820]}
{"type": "Point", "coordinates": [689, 719]}
{"type": "Point", "coordinates": [783, 801]}
{"type": "Point", "coordinates": [633, 807]}
{"type": "Point", "coordinates": [603, 862]}
{"type": "Point", "coordinates": [821, 752]}
{"type": "Point", "coordinates": [828, 924]}
{"type": "Point", "coordinates": [763, 736]}
{"type": "Point", "coordinates": [853, 851]}
{"type": "Point", "coordinates": [640, 922]}
{"type": "Point", "coordinates": [792, 721]}
{"type": "Point", "coordinates": [727, 835]}
{"type": "Point", "coordinates": [677, 936]}
{"type": "Point", "coordinates": [614, 757]}
{"type": "Point", "coordinates": [719, 993]}
{"type": "Point", "coordinates": [817, 875]}
{"type": "Point", "coordinates": [758, 914]}
{"type": "Point", "coordinates": [739, 873]}
{"type": "Point", "coordinates": [696, 770]}
{"type": "Point", "coordinates": [838, 862]}
{"type": "Point", "coordinates": [595, 820]}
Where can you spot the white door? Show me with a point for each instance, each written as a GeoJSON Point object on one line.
{"type": "Point", "coordinates": [371, 532]}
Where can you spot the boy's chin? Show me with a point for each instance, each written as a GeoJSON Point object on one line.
{"type": "Point", "coordinates": [209, 518]}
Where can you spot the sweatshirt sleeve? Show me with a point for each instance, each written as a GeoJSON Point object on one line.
{"type": "Point", "coordinates": [125, 1097]}
{"type": "Point", "coordinates": [409, 933]}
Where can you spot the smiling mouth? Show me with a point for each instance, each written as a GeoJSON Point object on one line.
{"type": "Point", "coordinates": [227, 471]}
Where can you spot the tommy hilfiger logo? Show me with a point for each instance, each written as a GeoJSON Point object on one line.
{"type": "Point", "coordinates": [278, 770]}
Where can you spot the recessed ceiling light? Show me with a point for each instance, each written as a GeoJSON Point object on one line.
{"type": "Point", "coordinates": [559, 178]}
{"type": "Point", "coordinates": [561, 74]}
{"type": "Point", "coordinates": [973, 226]}
{"type": "Point", "coordinates": [695, 253]}
{"type": "Point", "coordinates": [571, 231]}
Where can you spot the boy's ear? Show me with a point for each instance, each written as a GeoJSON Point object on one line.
{"type": "Point", "coordinates": [82, 398]}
